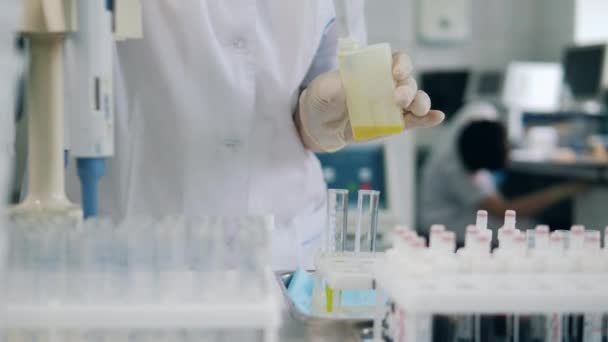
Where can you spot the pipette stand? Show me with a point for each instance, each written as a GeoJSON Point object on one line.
{"type": "Point", "coordinates": [45, 25]}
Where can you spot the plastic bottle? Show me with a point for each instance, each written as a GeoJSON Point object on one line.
{"type": "Point", "coordinates": [435, 235]}
{"type": "Point", "coordinates": [368, 81]}
{"type": "Point", "coordinates": [508, 226]}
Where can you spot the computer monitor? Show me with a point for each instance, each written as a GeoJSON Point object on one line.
{"type": "Point", "coordinates": [485, 85]}
{"type": "Point", "coordinates": [489, 83]}
{"type": "Point", "coordinates": [584, 68]}
{"type": "Point", "coordinates": [446, 89]}
{"type": "Point", "coordinates": [533, 87]}
{"type": "Point", "coordinates": [386, 165]}
{"type": "Point", "coordinates": [530, 87]}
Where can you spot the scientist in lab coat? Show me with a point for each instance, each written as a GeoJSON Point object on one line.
{"type": "Point", "coordinates": [459, 177]}
{"type": "Point", "coordinates": [219, 110]}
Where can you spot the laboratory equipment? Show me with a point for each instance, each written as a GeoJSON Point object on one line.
{"type": "Point", "coordinates": [530, 87]}
{"type": "Point", "coordinates": [380, 165]}
{"type": "Point", "coordinates": [77, 36]}
{"type": "Point", "coordinates": [337, 220]}
{"type": "Point", "coordinates": [585, 71]}
{"type": "Point", "coordinates": [368, 82]}
{"type": "Point", "coordinates": [446, 88]}
{"type": "Point", "coordinates": [549, 276]}
{"type": "Point", "coordinates": [45, 28]}
{"type": "Point", "coordinates": [174, 275]}
{"type": "Point", "coordinates": [367, 220]}
{"type": "Point", "coordinates": [90, 109]}
{"type": "Point", "coordinates": [339, 269]}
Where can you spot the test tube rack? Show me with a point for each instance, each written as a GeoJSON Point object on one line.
{"type": "Point", "coordinates": [347, 270]}
{"type": "Point", "coordinates": [141, 275]}
{"type": "Point", "coordinates": [531, 273]}
{"type": "Point", "coordinates": [492, 293]}
{"type": "Point", "coordinates": [263, 313]}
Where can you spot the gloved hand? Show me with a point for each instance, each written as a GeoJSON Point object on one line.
{"type": "Point", "coordinates": [323, 115]}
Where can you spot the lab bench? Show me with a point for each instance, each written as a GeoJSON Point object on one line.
{"type": "Point", "coordinates": [586, 208]}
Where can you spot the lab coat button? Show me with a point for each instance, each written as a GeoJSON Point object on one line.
{"type": "Point", "coordinates": [240, 43]}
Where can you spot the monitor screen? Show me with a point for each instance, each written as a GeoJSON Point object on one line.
{"type": "Point", "coordinates": [489, 83]}
{"type": "Point", "coordinates": [359, 167]}
{"type": "Point", "coordinates": [583, 67]}
{"type": "Point", "coordinates": [446, 89]}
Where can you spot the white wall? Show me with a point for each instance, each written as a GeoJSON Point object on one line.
{"type": "Point", "coordinates": [554, 28]}
{"type": "Point", "coordinates": [590, 21]}
{"type": "Point", "coordinates": [500, 31]}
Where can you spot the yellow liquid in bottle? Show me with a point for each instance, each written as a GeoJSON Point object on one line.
{"type": "Point", "coordinates": [370, 87]}
{"type": "Point", "coordinates": [371, 132]}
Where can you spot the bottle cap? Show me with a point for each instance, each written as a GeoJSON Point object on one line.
{"type": "Point", "coordinates": [482, 219]}
{"type": "Point", "coordinates": [437, 228]}
{"type": "Point", "coordinates": [471, 229]}
{"type": "Point", "coordinates": [577, 229]}
{"type": "Point", "coordinates": [510, 218]}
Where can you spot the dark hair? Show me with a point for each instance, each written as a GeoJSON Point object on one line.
{"type": "Point", "coordinates": [483, 145]}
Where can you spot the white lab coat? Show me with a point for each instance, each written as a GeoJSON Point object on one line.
{"type": "Point", "coordinates": [205, 106]}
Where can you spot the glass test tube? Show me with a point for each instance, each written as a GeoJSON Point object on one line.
{"type": "Point", "coordinates": [337, 219]}
{"type": "Point", "coordinates": [367, 218]}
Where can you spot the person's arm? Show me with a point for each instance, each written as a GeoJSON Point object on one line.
{"type": "Point", "coordinates": [322, 117]}
{"type": "Point", "coordinates": [531, 204]}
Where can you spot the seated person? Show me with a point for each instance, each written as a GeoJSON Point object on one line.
{"type": "Point", "coordinates": [459, 180]}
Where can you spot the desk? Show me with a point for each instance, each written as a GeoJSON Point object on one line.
{"type": "Point", "coordinates": [589, 208]}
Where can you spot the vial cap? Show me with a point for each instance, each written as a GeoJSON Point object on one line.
{"type": "Point", "coordinates": [482, 219]}
{"type": "Point", "coordinates": [508, 232]}
{"type": "Point", "coordinates": [471, 229]}
{"type": "Point", "coordinates": [402, 228]}
{"type": "Point", "coordinates": [577, 229]}
{"type": "Point", "coordinates": [592, 235]}
{"type": "Point", "coordinates": [520, 238]}
{"type": "Point", "coordinates": [482, 238]}
{"type": "Point", "coordinates": [437, 228]}
{"type": "Point", "coordinates": [541, 229]}
{"type": "Point", "coordinates": [510, 217]}
{"type": "Point", "coordinates": [419, 242]}
{"type": "Point", "coordinates": [556, 236]}
{"type": "Point", "coordinates": [448, 236]}
{"type": "Point", "coordinates": [407, 233]}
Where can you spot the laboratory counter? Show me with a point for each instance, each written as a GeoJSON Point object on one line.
{"type": "Point", "coordinates": [586, 208]}
{"type": "Point", "coordinates": [582, 170]}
